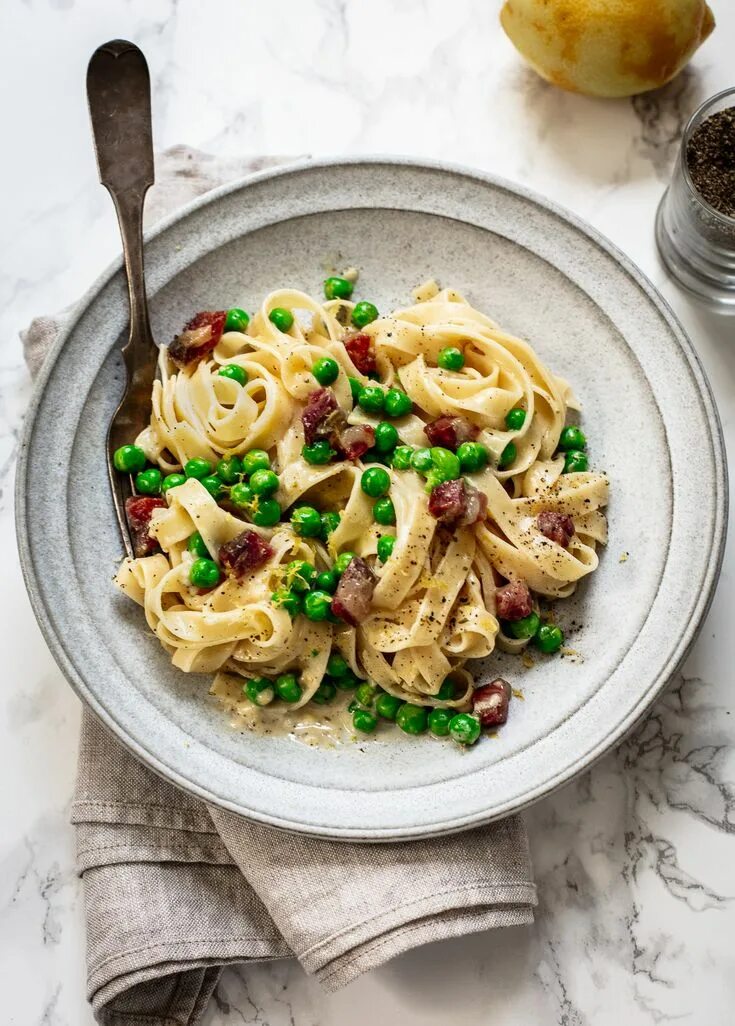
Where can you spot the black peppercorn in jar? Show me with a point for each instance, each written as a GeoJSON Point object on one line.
{"type": "Point", "coordinates": [710, 157]}
{"type": "Point", "coordinates": [695, 224]}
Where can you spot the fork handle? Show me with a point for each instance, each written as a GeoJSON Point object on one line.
{"type": "Point", "coordinates": [119, 97]}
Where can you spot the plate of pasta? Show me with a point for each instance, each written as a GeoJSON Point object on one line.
{"type": "Point", "coordinates": [330, 500]}
{"type": "Point", "coordinates": [410, 515]}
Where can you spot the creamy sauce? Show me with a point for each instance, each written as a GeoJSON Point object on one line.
{"type": "Point", "coordinates": [318, 726]}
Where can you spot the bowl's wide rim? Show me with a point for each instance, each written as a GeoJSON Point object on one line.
{"type": "Point", "coordinates": [688, 633]}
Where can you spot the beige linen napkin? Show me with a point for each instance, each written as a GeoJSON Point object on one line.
{"type": "Point", "coordinates": [175, 890]}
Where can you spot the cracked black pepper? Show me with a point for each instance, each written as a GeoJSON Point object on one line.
{"type": "Point", "coordinates": [710, 158]}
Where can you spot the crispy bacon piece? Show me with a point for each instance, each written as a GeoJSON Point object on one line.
{"type": "Point", "coordinates": [362, 352]}
{"type": "Point", "coordinates": [138, 510]}
{"type": "Point", "coordinates": [457, 503]}
{"type": "Point", "coordinates": [355, 440]}
{"type": "Point", "coordinates": [476, 507]}
{"type": "Point", "coordinates": [558, 527]}
{"type": "Point", "coordinates": [199, 337]}
{"type": "Point", "coordinates": [490, 703]}
{"type": "Point", "coordinates": [450, 432]}
{"type": "Point", "coordinates": [322, 415]}
{"type": "Point", "coordinates": [513, 601]}
{"type": "Point", "coordinates": [354, 592]}
{"type": "Point", "coordinates": [244, 553]}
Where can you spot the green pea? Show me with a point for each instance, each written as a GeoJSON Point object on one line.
{"type": "Point", "coordinates": [306, 522]}
{"type": "Point", "coordinates": [364, 721]}
{"type": "Point", "coordinates": [575, 462]}
{"type": "Point", "coordinates": [397, 403]}
{"type": "Point", "coordinates": [451, 359]}
{"type": "Point", "coordinates": [256, 459]}
{"type": "Point", "coordinates": [327, 581]}
{"type": "Point", "coordinates": [259, 690]}
{"type": "Point", "coordinates": [317, 605]}
{"type": "Point", "coordinates": [172, 481]}
{"type": "Point", "coordinates": [387, 706]}
{"type": "Point", "coordinates": [373, 456]}
{"type": "Point", "coordinates": [472, 456]}
{"type": "Point", "coordinates": [288, 600]}
{"type": "Point", "coordinates": [330, 522]}
{"type": "Point", "coordinates": [371, 398]}
{"type": "Point", "coordinates": [204, 573]}
{"type": "Point", "coordinates": [318, 452]}
{"type": "Point", "coordinates": [236, 320]}
{"type": "Point", "coordinates": [447, 691]}
{"type": "Point", "coordinates": [266, 513]}
{"type": "Point", "coordinates": [235, 372]}
{"type": "Point", "coordinates": [572, 437]}
{"type": "Point", "coordinates": [342, 561]}
{"type": "Point", "coordinates": [337, 665]}
{"type": "Point", "coordinates": [129, 459]}
{"type": "Point", "coordinates": [515, 419]}
{"type": "Point", "coordinates": [197, 468]}
{"type": "Point", "coordinates": [214, 485]}
{"type": "Point", "coordinates": [439, 720]}
{"type": "Point", "coordinates": [242, 495]}
{"type": "Point", "coordinates": [386, 437]}
{"type": "Point", "coordinates": [300, 574]}
{"type": "Point", "coordinates": [385, 547]}
{"type": "Point", "coordinates": [338, 288]}
{"type": "Point", "coordinates": [401, 458]}
{"type": "Point", "coordinates": [288, 688]}
{"type": "Point", "coordinates": [364, 313]}
{"type": "Point", "coordinates": [526, 627]}
{"type": "Point", "coordinates": [465, 729]}
{"type": "Point", "coordinates": [282, 318]}
{"type": "Point", "coordinates": [384, 512]}
{"type": "Point", "coordinates": [347, 681]}
{"type": "Point", "coordinates": [433, 478]}
{"type": "Point", "coordinates": [365, 694]}
{"type": "Point", "coordinates": [324, 693]}
{"type": "Point", "coordinates": [445, 462]}
{"type": "Point", "coordinates": [325, 370]}
{"type": "Point", "coordinates": [421, 460]}
{"type": "Point", "coordinates": [264, 482]}
{"type": "Point", "coordinates": [412, 719]}
{"type": "Point", "coordinates": [375, 482]}
{"type": "Point", "coordinates": [196, 545]}
{"type": "Point", "coordinates": [507, 456]}
{"type": "Point", "coordinates": [355, 388]}
{"type": "Point", "coordinates": [549, 638]}
{"type": "Point", "coordinates": [148, 482]}
{"type": "Point", "coordinates": [229, 468]}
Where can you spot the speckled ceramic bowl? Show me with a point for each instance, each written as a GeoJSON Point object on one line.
{"type": "Point", "coordinates": [593, 317]}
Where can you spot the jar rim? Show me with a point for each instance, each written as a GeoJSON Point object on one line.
{"type": "Point", "coordinates": [726, 219]}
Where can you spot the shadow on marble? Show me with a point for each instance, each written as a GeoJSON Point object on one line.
{"type": "Point", "coordinates": [635, 138]}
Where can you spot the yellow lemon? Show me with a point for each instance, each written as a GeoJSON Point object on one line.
{"type": "Point", "coordinates": [607, 47]}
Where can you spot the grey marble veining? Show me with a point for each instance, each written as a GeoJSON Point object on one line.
{"type": "Point", "coordinates": [663, 115]}
{"type": "Point", "coordinates": [635, 859]}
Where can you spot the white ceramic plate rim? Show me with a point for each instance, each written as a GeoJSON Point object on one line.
{"type": "Point", "coordinates": [586, 756]}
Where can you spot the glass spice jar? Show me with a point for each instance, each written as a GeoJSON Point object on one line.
{"type": "Point", "coordinates": [696, 241]}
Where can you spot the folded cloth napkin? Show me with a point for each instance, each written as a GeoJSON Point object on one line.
{"type": "Point", "coordinates": [175, 890]}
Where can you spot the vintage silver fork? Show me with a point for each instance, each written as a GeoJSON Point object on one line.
{"type": "Point", "coordinates": [119, 96]}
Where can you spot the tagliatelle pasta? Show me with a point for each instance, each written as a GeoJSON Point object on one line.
{"type": "Point", "coordinates": [382, 502]}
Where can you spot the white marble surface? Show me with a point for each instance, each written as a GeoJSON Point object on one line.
{"type": "Point", "coordinates": [635, 860]}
